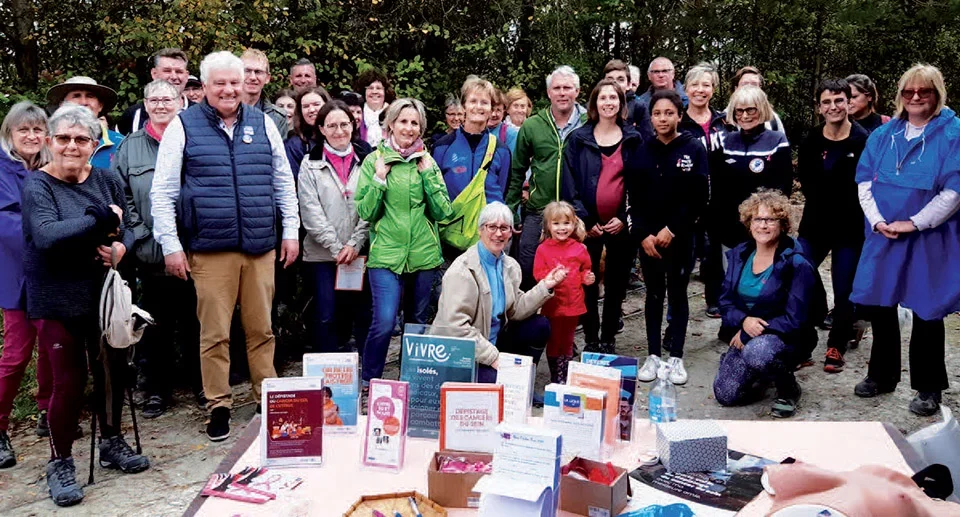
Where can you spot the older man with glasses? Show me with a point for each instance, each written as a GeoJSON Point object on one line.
{"type": "Point", "coordinates": [660, 73]}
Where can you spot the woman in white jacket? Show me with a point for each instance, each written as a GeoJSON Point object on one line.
{"type": "Point", "coordinates": [335, 234]}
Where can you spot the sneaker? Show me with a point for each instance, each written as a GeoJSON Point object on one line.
{"type": "Point", "coordinates": [62, 482]}
{"type": "Point", "coordinates": [805, 363]}
{"type": "Point", "coordinates": [8, 458]}
{"type": "Point", "coordinates": [713, 311]}
{"type": "Point", "coordinates": [154, 406]}
{"type": "Point", "coordinates": [201, 399]}
{"type": "Point", "coordinates": [648, 371]}
{"type": "Point", "coordinates": [591, 346]}
{"type": "Point", "coordinates": [608, 347]}
{"type": "Point", "coordinates": [43, 428]}
{"type": "Point", "coordinates": [218, 428]}
{"type": "Point", "coordinates": [926, 403]}
{"type": "Point", "coordinates": [834, 361]}
{"type": "Point", "coordinates": [868, 388]}
{"type": "Point", "coordinates": [678, 374]}
{"type": "Point", "coordinates": [115, 453]}
{"type": "Point", "coordinates": [827, 322]}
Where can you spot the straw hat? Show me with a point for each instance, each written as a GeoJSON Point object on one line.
{"type": "Point", "coordinates": [106, 96]}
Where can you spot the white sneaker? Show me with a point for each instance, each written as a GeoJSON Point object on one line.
{"type": "Point", "coordinates": [648, 371]}
{"type": "Point", "coordinates": [678, 374]}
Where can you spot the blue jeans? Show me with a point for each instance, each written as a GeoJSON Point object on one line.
{"type": "Point", "coordinates": [337, 314]}
{"type": "Point", "coordinates": [386, 288]}
{"type": "Point", "coordinates": [524, 337]}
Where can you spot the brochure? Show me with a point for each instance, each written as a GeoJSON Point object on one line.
{"type": "Point", "coordinates": [387, 415]}
{"type": "Point", "coordinates": [428, 361]}
{"type": "Point", "coordinates": [578, 414]}
{"type": "Point", "coordinates": [729, 489]}
{"type": "Point", "coordinates": [529, 455]}
{"type": "Point", "coordinates": [470, 414]}
{"type": "Point", "coordinates": [628, 385]}
{"type": "Point", "coordinates": [516, 374]}
{"type": "Point", "coordinates": [341, 386]}
{"type": "Point", "coordinates": [291, 430]}
{"type": "Point", "coordinates": [604, 379]}
{"type": "Point", "coordinates": [350, 276]}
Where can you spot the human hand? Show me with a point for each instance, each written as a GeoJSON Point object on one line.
{"type": "Point", "coordinates": [554, 277]}
{"type": "Point", "coordinates": [381, 168]}
{"type": "Point", "coordinates": [902, 227]}
{"type": "Point", "coordinates": [589, 278]}
{"type": "Point", "coordinates": [613, 226]}
{"type": "Point", "coordinates": [177, 265]}
{"type": "Point", "coordinates": [664, 238]}
{"type": "Point", "coordinates": [106, 253]}
{"type": "Point", "coordinates": [496, 364]}
{"type": "Point", "coordinates": [650, 246]}
{"type": "Point", "coordinates": [735, 342]}
{"type": "Point", "coordinates": [525, 196]}
{"type": "Point", "coordinates": [289, 249]}
{"type": "Point", "coordinates": [595, 231]}
{"type": "Point", "coordinates": [885, 230]}
{"type": "Point", "coordinates": [754, 326]}
{"type": "Point", "coordinates": [347, 254]}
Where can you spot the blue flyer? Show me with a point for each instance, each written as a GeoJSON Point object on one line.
{"type": "Point", "coordinates": [628, 384]}
{"type": "Point", "coordinates": [428, 361]}
{"type": "Point", "coordinates": [341, 385]}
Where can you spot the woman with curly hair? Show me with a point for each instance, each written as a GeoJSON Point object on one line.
{"type": "Point", "coordinates": [377, 95]}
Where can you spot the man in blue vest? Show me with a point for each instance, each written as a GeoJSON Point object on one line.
{"type": "Point", "coordinates": [221, 174]}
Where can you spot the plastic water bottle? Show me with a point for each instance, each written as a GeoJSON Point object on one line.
{"type": "Point", "coordinates": [662, 399]}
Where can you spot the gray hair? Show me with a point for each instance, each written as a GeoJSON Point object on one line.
{"type": "Point", "coordinates": [634, 73]}
{"type": "Point", "coordinates": [393, 113]}
{"type": "Point", "coordinates": [650, 66]}
{"type": "Point", "coordinates": [303, 62]}
{"type": "Point", "coordinates": [495, 212]}
{"type": "Point", "coordinates": [158, 86]}
{"type": "Point", "coordinates": [70, 114]}
{"type": "Point", "coordinates": [23, 113]}
{"type": "Point", "coordinates": [701, 70]}
{"type": "Point", "coordinates": [221, 60]}
{"type": "Point", "coordinates": [452, 102]}
{"type": "Point", "coordinates": [746, 96]}
{"type": "Point", "coordinates": [566, 70]}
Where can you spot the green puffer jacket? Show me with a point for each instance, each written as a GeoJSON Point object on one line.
{"type": "Point", "coordinates": [540, 149]}
{"type": "Point", "coordinates": [403, 214]}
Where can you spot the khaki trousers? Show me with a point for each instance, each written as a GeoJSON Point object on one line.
{"type": "Point", "coordinates": [224, 279]}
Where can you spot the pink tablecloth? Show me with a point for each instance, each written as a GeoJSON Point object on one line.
{"type": "Point", "coordinates": [331, 489]}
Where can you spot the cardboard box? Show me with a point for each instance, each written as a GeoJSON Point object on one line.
{"type": "Point", "coordinates": [595, 499]}
{"type": "Point", "coordinates": [455, 490]}
{"type": "Point", "coordinates": [692, 446]}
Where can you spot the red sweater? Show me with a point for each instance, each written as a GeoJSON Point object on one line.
{"type": "Point", "coordinates": [568, 299]}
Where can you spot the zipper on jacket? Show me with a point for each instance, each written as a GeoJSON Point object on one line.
{"type": "Point", "coordinates": [233, 169]}
{"type": "Point", "coordinates": [553, 125]}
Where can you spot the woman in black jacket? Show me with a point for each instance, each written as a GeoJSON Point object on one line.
{"type": "Point", "coordinates": [667, 195]}
{"type": "Point", "coordinates": [599, 159]}
{"type": "Point", "coordinates": [832, 218]}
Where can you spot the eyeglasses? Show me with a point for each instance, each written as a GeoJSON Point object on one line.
{"type": "Point", "coordinates": [493, 228]}
{"type": "Point", "coordinates": [255, 71]}
{"type": "Point", "coordinates": [153, 102]}
{"type": "Point", "coordinates": [81, 141]}
{"type": "Point", "coordinates": [661, 71]}
{"type": "Point", "coordinates": [923, 93]}
{"type": "Point", "coordinates": [751, 111]}
{"type": "Point", "coordinates": [343, 126]}
{"type": "Point", "coordinates": [764, 221]}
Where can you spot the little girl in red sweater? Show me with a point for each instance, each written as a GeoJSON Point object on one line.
{"type": "Point", "coordinates": [561, 245]}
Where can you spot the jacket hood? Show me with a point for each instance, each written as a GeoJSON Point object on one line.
{"type": "Point", "coordinates": [316, 153]}
{"type": "Point", "coordinates": [682, 139]}
{"type": "Point", "coordinates": [584, 134]}
{"type": "Point", "coordinates": [390, 155]}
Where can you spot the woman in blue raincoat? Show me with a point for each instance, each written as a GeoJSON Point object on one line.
{"type": "Point", "coordinates": [909, 180]}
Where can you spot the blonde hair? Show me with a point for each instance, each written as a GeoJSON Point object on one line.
{"type": "Point", "coordinates": [746, 96]}
{"type": "Point", "coordinates": [774, 200]}
{"type": "Point", "coordinates": [257, 54]}
{"type": "Point", "coordinates": [477, 86]}
{"type": "Point", "coordinates": [922, 73]}
{"type": "Point", "coordinates": [561, 209]}
{"type": "Point", "coordinates": [702, 69]}
{"type": "Point", "coordinates": [516, 94]}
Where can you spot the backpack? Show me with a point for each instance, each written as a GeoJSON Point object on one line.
{"type": "Point", "coordinates": [121, 322]}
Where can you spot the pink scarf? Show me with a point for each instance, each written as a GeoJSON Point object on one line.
{"type": "Point", "coordinates": [341, 162]}
{"type": "Point", "coordinates": [409, 151]}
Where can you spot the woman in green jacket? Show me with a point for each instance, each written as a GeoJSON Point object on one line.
{"type": "Point", "coordinates": [402, 195]}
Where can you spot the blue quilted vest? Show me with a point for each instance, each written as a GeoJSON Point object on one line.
{"type": "Point", "coordinates": [226, 197]}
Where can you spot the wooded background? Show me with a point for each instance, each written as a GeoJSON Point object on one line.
{"type": "Point", "coordinates": [428, 47]}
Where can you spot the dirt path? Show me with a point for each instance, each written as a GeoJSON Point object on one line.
{"type": "Point", "coordinates": [182, 458]}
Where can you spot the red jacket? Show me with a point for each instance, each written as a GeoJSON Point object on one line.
{"type": "Point", "coordinates": [568, 297]}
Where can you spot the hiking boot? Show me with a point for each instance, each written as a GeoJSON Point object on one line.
{"type": "Point", "coordinates": [926, 403]}
{"type": "Point", "coordinates": [868, 388]}
{"type": "Point", "coordinates": [62, 482]}
{"type": "Point", "coordinates": [827, 322]}
{"type": "Point", "coordinates": [834, 361]}
{"type": "Point", "coordinates": [116, 454]}
{"type": "Point", "coordinates": [218, 428]}
{"type": "Point", "coordinates": [713, 311]}
{"type": "Point", "coordinates": [43, 428]}
{"type": "Point", "coordinates": [8, 458]}
{"type": "Point", "coordinates": [648, 371]}
{"type": "Point", "coordinates": [154, 406]}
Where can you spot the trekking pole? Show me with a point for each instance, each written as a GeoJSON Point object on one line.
{"type": "Point", "coordinates": [133, 410]}
{"type": "Point", "coordinates": [93, 443]}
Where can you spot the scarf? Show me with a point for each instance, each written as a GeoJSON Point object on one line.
{"type": "Point", "coordinates": [340, 160]}
{"type": "Point", "coordinates": [371, 120]}
{"type": "Point", "coordinates": [409, 151]}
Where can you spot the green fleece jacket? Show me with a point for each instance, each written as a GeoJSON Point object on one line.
{"type": "Point", "coordinates": [403, 213]}
{"type": "Point", "coordinates": [540, 149]}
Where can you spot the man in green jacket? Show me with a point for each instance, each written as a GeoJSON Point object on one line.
{"type": "Point", "coordinates": [540, 149]}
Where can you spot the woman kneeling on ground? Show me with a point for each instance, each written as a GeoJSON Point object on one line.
{"type": "Point", "coordinates": [769, 306]}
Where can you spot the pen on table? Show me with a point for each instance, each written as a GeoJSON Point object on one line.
{"type": "Point", "coordinates": [376, 513]}
{"type": "Point", "coordinates": [413, 506]}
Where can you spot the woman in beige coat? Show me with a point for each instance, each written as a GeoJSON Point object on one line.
{"type": "Point", "coordinates": [335, 234]}
{"type": "Point", "coordinates": [481, 295]}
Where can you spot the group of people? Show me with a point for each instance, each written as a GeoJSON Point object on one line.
{"type": "Point", "coordinates": [209, 201]}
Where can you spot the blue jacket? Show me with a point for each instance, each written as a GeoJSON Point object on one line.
{"type": "Point", "coordinates": [507, 134]}
{"type": "Point", "coordinates": [582, 162]}
{"type": "Point", "coordinates": [226, 201]}
{"type": "Point", "coordinates": [459, 164]}
{"type": "Point", "coordinates": [12, 288]}
{"type": "Point", "coordinates": [791, 302]}
{"type": "Point", "coordinates": [103, 155]}
{"type": "Point", "coordinates": [297, 148]}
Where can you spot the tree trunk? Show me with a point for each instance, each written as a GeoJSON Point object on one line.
{"type": "Point", "coordinates": [24, 43]}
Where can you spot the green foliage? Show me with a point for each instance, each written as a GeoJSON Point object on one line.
{"type": "Point", "coordinates": [428, 47]}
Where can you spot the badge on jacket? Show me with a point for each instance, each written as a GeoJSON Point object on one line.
{"type": "Point", "coordinates": [685, 163]}
{"type": "Point", "coordinates": [756, 165]}
{"type": "Point", "coordinates": [247, 134]}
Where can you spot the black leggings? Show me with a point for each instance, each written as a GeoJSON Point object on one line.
{"type": "Point", "coordinates": [928, 371]}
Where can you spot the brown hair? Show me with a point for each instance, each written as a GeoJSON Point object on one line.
{"type": "Point", "coordinates": [593, 115]}
{"type": "Point", "coordinates": [170, 52]}
{"type": "Point", "coordinates": [744, 71]}
{"type": "Point", "coordinates": [561, 209]}
{"type": "Point", "coordinates": [615, 65]}
{"type": "Point", "coordinates": [327, 109]}
{"type": "Point", "coordinates": [300, 126]}
{"type": "Point", "coordinates": [774, 200]}
{"type": "Point", "coordinates": [370, 76]}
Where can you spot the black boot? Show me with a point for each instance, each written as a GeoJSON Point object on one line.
{"type": "Point", "coordinates": [553, 363]}
{"type": "Point", "coordinates": [8, 458]}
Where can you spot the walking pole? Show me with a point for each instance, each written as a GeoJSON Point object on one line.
{"type": "Point", "coordinates": [133, 410]}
